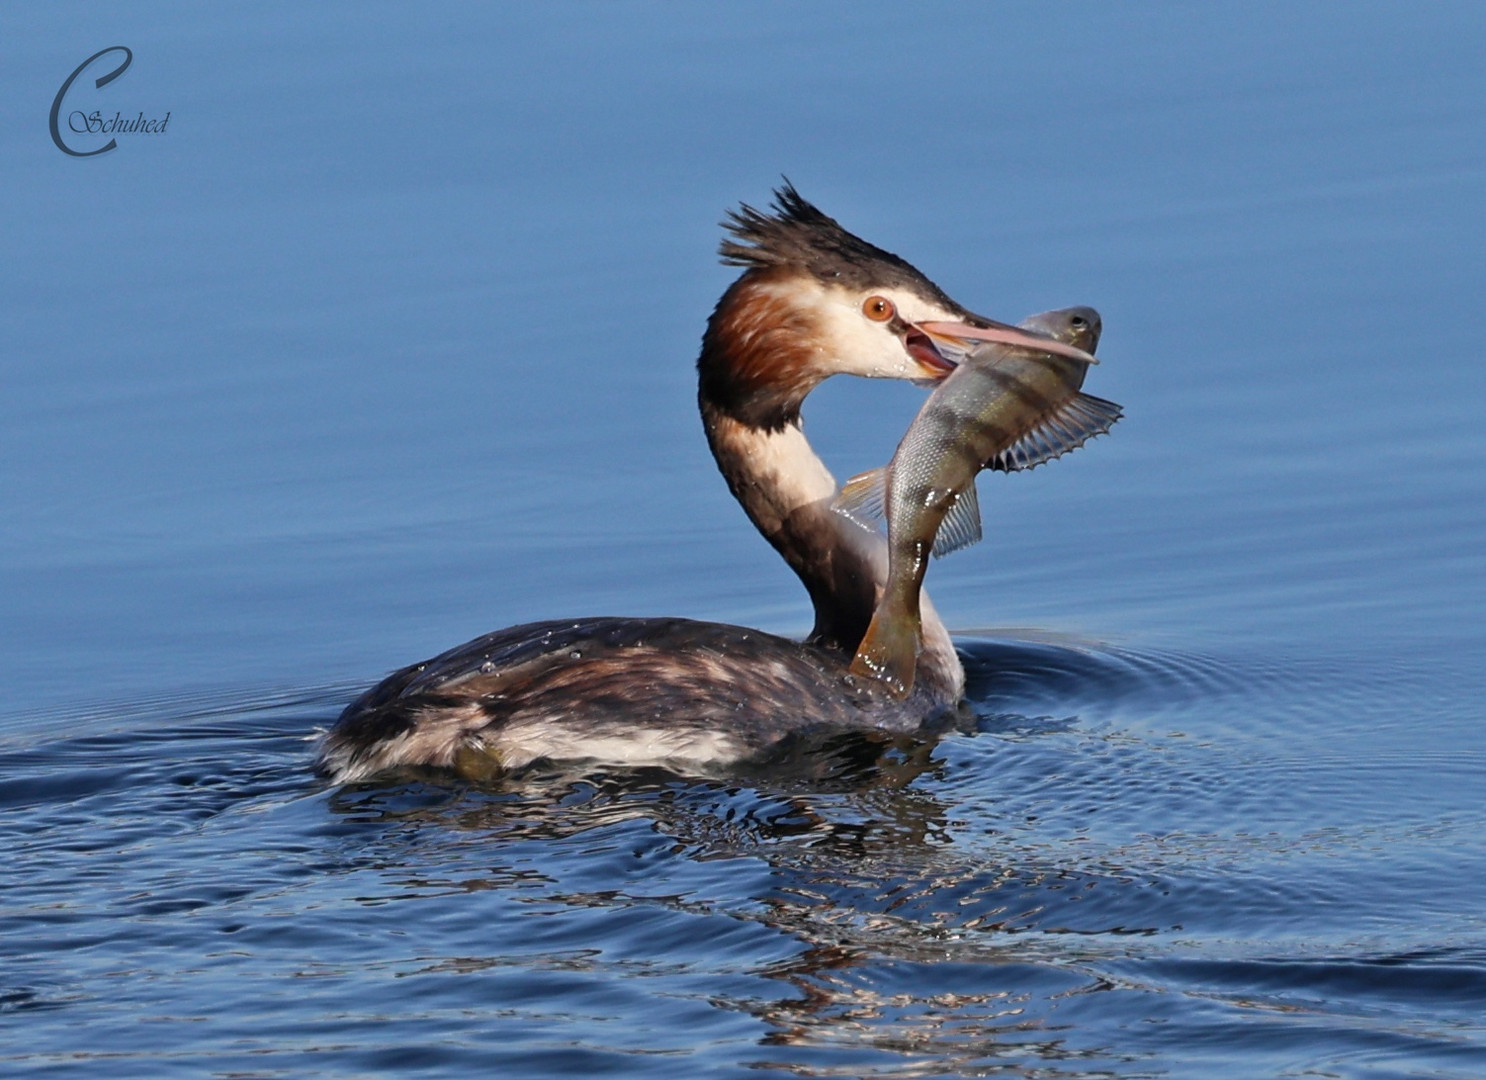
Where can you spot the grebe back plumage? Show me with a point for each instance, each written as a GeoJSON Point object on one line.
{"type": "Point", "coordinates": [813, 301]}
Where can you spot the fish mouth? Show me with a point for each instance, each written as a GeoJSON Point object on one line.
{"type": "Point", "coordinates": [949, 342]}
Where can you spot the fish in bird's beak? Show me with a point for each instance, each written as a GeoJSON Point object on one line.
{"type": "Point", "coordinates": [940, 346]}
{"type": "Point", "coordinates": [1014, 403]}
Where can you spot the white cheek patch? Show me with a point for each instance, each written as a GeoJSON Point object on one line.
{"type": "Point", "coordinates": [862, 346]}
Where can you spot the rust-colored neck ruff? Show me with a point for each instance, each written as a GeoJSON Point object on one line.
{"type": "Point", "coordinates": [760, 354]}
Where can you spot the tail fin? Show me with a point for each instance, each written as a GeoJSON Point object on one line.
{"type": "Point", "coordinates": [889, 652]}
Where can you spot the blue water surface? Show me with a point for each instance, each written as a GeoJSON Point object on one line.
{"type": "Point", "coordinates": [388, 341]}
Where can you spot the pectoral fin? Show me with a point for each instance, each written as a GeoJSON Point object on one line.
{"type": "Point", "coordinates": [1067, 428]}
{"type": "Point", "coordinates": [861, 499]}
{"type": "Point", "coordinates": [961, 526]}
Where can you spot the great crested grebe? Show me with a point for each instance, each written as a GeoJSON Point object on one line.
{"type": "Point", "coordinates": [813, 301]}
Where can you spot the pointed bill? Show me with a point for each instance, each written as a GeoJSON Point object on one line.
{"type": "Point", "coordinates": [960, 337]}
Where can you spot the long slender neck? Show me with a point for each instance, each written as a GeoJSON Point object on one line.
{"type": "Point", "coordinates": [787, 491]}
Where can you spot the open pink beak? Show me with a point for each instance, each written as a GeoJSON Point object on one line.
{"type": "Point", "coordinates": [959, 337]}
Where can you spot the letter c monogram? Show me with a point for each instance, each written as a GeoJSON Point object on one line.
{"type": "Point", "coordinates": [66, 86]}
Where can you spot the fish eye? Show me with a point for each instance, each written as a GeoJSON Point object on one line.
{"type": "Point", "coordinates": [878, 308]}
{"type": "Point", "coordinates": [1079, 322]}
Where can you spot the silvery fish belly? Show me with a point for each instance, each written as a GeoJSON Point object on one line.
{"type": "Point", "coordinates": [1003, 407]}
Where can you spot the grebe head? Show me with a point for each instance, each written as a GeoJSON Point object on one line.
{"type": "Point", "coordinates": [814, 301]}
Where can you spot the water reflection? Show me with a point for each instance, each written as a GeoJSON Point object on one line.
{"type": "Point", "coordinates": [918, 948]}
{"type": "Point", "coordinates": [1077, 870]}
{"type": "Point", "coordinates": [854, 829]}
{"type": "Point", "coordinates": [845, 1001]}
{"type": "Point", "coordinates": [902, 950]}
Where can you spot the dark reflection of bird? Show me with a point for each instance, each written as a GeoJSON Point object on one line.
{"type": "Point", "coordinates": [813, 301]}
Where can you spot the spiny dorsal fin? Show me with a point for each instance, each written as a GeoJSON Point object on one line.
{"type": "Point", "coordinates": [961, 526]}
{"type": "Point", "coordinates": [861, 498]}
{"type": "Point", "coordinates": [1079, 420]}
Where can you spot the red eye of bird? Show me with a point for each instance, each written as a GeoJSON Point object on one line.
{"type": "Point", "coordinates": [878, 308]}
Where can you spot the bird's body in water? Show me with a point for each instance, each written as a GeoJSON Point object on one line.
{"type": "Point", "coordinates": [1004, 407]}
{"type": "Point", "coordinates": [813, 301]}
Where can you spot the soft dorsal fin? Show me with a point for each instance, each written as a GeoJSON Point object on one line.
{"type": "Point", "coordinates": [861, 498]}
{"type": "Point", "coordinates": [961, 526]}
{"type": "Point", "coordinates": [1067, 428]}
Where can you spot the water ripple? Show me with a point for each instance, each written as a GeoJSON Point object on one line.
{"type": "Point", "coordinates": [1123, 846]}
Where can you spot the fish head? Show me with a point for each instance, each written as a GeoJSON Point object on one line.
{"type": "Point", "coordinates": [1076, 326]}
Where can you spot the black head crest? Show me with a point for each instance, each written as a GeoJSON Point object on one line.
{"type": "Point", "coordinates": [798, 235]}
